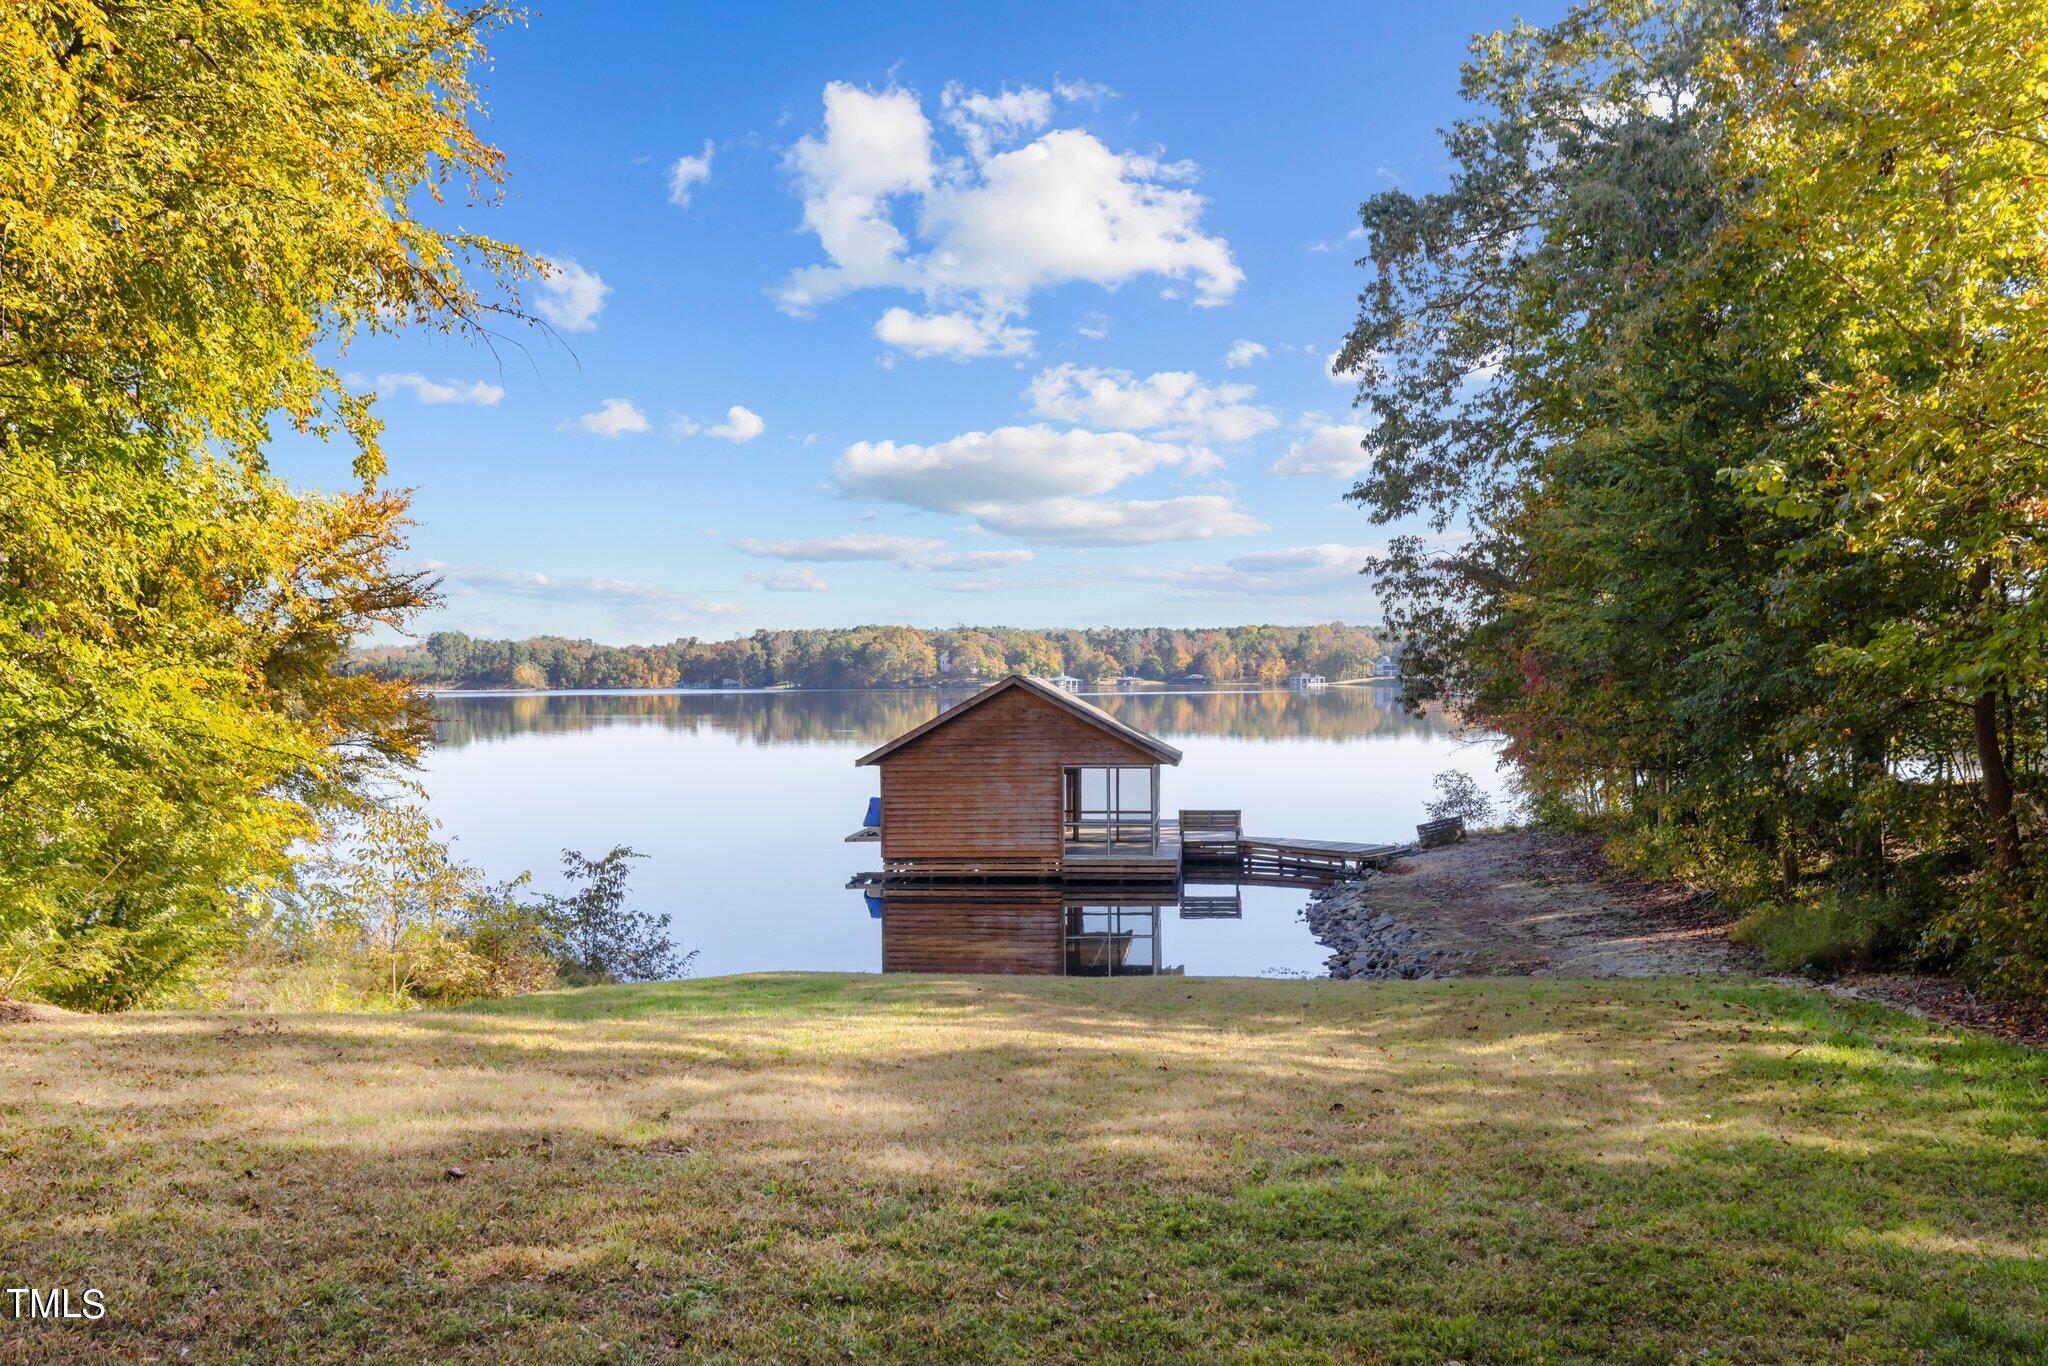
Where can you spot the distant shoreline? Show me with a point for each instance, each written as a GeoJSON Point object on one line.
{"type": "Point", "coordinates": [1174, 689]}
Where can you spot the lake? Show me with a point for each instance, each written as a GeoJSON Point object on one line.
{"type": "Point", "coordinates": [742, 800]}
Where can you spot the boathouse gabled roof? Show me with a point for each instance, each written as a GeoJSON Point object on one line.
{"type": "Point", "coordinates": [1037, 687]}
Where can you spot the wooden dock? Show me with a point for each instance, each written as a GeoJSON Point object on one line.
{"type": "Point", "coordinates": [1200, 846]}
{"type": "Point", "coordinates": [1294, 858]}
{"type": "Point", "coordinates": [1216, 837]}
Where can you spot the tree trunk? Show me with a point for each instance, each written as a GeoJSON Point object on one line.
{"type": "Point", "coordinates": [2005, 826]}
{"type": "Point", "coordinates": [1866, 838]}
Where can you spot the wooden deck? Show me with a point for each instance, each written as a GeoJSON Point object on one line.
{"type": "Point", "coordinates": [1250, 860]}
{"type": "Point", "coordinates": [1096, 863]}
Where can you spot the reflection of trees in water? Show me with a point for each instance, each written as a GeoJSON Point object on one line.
{"type": "Point", "coordinates": [1274, 714]}
{"type": "Point", "coordinates": [870, 717]}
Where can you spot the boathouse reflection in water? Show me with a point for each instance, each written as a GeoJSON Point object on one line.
{"type": "Point", "coordinates": [1038, 931]}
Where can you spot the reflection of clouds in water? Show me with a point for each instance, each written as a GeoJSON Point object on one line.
{"type": "Point", "coordinates": [871, 717]}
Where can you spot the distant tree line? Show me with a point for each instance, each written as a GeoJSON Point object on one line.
{"type": "Point", "coordinates": [881, 656]}
{"type": "Point", "coordinates": [1339, 715]}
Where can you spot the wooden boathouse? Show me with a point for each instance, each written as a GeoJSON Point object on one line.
{"type": "Point", "coordinates": [1025, 781]}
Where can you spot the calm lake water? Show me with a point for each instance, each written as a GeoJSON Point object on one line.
{"type": "Point", "coordinates": [742, 800]}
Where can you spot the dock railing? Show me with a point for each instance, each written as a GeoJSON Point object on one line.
{"type": "Point", "coordinates": [1211, 832]}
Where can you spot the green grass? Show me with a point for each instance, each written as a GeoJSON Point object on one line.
{"type": "Point", "coordinates": [809, 1167]}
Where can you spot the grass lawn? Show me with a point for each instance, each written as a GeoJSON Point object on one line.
{"type": "Point", "coordinates": [814, 1166]}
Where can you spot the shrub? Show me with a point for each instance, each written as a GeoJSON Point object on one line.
{"type": "Point", "coordinates": [1833, 926]}
{"type": "Point", "coordinates": [379, 914]}
{"type": "Point", "coordinates": [1457, 795]}
{"type": "Point", "coordinates": [601, 938]}
{"type": "Point", "coordinates": [2000, 937]}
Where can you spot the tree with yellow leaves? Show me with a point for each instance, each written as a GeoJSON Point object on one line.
{"type": "Point", "coordinates": [199, 199]}
{"type": "Point", "coordinates": [1898, 154]}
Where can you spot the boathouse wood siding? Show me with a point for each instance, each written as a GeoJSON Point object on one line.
{"type": "Point", "coordinates": [981, 792]}
{"type": "Point", "coordinates": [1008, 934]}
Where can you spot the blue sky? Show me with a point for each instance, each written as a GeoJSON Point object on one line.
{"type": "Point", "coordinates": [918, 313]}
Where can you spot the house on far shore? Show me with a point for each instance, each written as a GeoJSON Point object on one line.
{"type": "Point", "coordinates": [1386, 666]}
{"type": "Point", "coordinates": [1024, 779]}
{"type": "Point", "coordinates": [1306, 682]}
{"type": "Point", "coordinates": [1067, 681]}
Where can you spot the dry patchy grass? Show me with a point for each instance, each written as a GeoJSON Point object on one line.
{"type": "Point", "coordinates": [808, 1167]}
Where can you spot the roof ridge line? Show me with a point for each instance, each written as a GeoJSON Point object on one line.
{"type": "Point", "coordinates": [1038, 687]}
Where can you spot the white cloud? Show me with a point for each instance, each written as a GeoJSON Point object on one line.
{"type": "Point", "coordinates": [995, 225]}
{"type": "Point", "coordinates": [1331, 450]}
{"type": "Point", "coordinates": [1034, 483]}
{"type": "Point", "coordinates": [740, 425]}
{"type": "Point", "coordinates": [438, 391]}
{"type": "Point", "coordinates": [1243, 354]}
{"type": "Point", "coordinates": [854, 546]}
{"type": "Point", "coordinates": [916, 553]}
{"type": "Point", "coordinates": [1173, 403]}
{"type": "Point", "coordinates": [1086, 522]}
{"type": "Point", "coordinates": [1337, 376]}
{"type": "Point", "coordinates": [1066, 208]}
{"type": "Point", "coordinates": [787, 580]}
{"type": "Point", "coordinates": [614, 417]}
{"type": "Point", "coordinates": [1078, 91]}
{"type": "Point", "coordinates": [972, 561]}
{"type": "Point", "coordinates": [687, 173]}
{"type": "Point", "coordinates": [1095, 326]}
{"type": "Point", "coordinates": [1009, 464]}
{"type": "Point", "coordinates": [957, 336]}
{"type": "Point", "coordinates": [876, 145]}
{"type": "Point", "coordinates": [986, 121]}
{"type": "Point", "coordinates": [570, 296]}
{"type": "Point", "coordinates": [667, 604]}
{"type": "Point", "coordinates": [1294, 571]}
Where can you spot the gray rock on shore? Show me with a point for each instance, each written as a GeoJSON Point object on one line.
{"type": "Point", "coordinates": [1367, 945]}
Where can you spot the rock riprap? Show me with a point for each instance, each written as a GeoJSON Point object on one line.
{"type": "Point", "coordinates": [1368, 945]}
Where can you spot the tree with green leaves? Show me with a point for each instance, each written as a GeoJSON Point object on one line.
{"type": "Point", "coordinates": [1724, 345]}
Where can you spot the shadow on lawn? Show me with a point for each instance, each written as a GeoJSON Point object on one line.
{"type": "Point", "coordinates": [955, 1166]}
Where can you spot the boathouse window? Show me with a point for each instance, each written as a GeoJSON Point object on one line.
{"type": "Point", "coordinates": [1112, 941]}
{"type": "Point", "coordinates": [1115, 808]}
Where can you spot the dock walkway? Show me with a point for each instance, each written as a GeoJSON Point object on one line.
{"type": "Point", "coordinates": [1217, 836]}
{"type": "Point", "coordinates": [1296, 857]}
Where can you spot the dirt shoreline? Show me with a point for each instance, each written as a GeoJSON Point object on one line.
{"type": "Point", "coordinates": [1534, 903]}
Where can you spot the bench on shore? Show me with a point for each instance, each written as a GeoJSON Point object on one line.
{"type": "Point", "coordinates": [1432, 834]}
